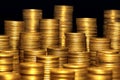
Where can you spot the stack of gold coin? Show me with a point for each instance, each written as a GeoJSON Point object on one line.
{"type": "Point", "coordinates": [99, 73]}
{"type": "Point", "coordinates": [49, 62]}
{"type": "Point", "coordinates": [97, 44]}
{"type": "Point", "coordinates": [9, 76]}
{"type": "Point", "coordinates": [62, 74]}
{"type": "Point", "coordinates": [50, 32]}
{"type": "Point", "coordinates": [4, 42]}
{"type": "Point", "coordinates": [6, 62]}
{"type": "Point", "coordinates": [15, 58]}
{"type": "Point", "coordinates": [76, 41]}
{"type": "Point", "coordinates": [79, 57]}
{"type": "Point", "coordinates": [113, 33]}
{"type": "Point", "coordinates": [30, 55]}
{"type": "Point", "coordinates": [13, 30]}
{"type": "Point", "coordinates": [87, 26]}
{"type": "Point", "coordinates": [64, 14]}
{"type": "Point", "coordinates": [80, 70]}
{"type": "Point", "coordinates": [31, 18]}
{"type": "Point", "coordinates": [62, 52]}
{"type": "Point", "coordinates": [31, 71]}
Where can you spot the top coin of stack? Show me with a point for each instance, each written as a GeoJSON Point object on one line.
{"type": "Point", "coordinates": [32, 18]}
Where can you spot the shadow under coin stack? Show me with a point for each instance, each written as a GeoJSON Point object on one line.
{"type": "Point", "coordinates": [32, 18]}
{"type": "Point", "coordinates": [79, 69]}
{"type": "Point", "coordinates": [13, 30]}
{"type": "Point", "coordinates": [110, 59]}
{"type": "Point", "coordinates": [49, 29]}
{"type": "Point", "coordinates": [62, 52]}
{"type": "Point", "coordinates": [97, 44]}
{"type": "Point", "coordinates": [64, 14]}
{"type": "Point", "coordinates": [62, 74]}
{"type": "Point", "coordinates": [49, 63]}
{"type": "Point", "coordinates": [6, 62]}
{"type": "Point", "coordinates": [30, 55]}
{"type": "Point", "coordinates": [31, 71]}
{"type": "Point", "coordinates": [75, 41]}
{"type": "Point", "coordinates": [99, 73]}
{"type": "Point", "coordinates": [87, 26]}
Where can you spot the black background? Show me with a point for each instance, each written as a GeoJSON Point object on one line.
{"type": "Point", "coordinates": [12, 9]}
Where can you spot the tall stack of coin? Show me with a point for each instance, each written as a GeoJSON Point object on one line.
{"type": "Point", "coordinates": [31, 18]}
{"type": "Point", "coordinates": [99, 73]}
{"type": "Point", "coordinates": [4, 42]}
{"type": "Point", "coordinates": [62, 52]}
{"type": "Point", "coordinates": [87, 26]}
{"type": "Point", "coordinates": [80, 70]}
{"type": "Point", "coordinates": [79, 57]}
{"type": "Point", "coordinates": [62, 74]}
{"type": "Point", "coordinates": [76, 41]}
{"type": "Point", "coordinates": [30, 55]}
{"type": "Point", "coordinates": [9, 76]}
{"type": "Point", "coordinates": [13, 30]}
{"type": "Point", "coordinates": [49, 62]}
{"type": "Point", "coordinates": [50, 32]}
{"type": "Point", "coordinates": [110, 59]}
{"type": "Point", "coordinates": [15, 58]}
{"type": "Point", "coordinates": [6, 62]}
{"type": "Point", "coordinates": [64, 14]}
{"type": "Point", "coordinates": [31, 71]}
{"type": "Point", "coordinates": [97, 44]}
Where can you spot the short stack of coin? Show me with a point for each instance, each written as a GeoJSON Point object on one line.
{"type": "Point", "coordinates": [49, 29]}
{"type": "Point", "coordinates": [110, 59]}
{"type": "Point", "coordinates": [99, 73]}
{"type": "Point", "coordinates": [9, 76]}
{"type": "Point", "coordinates": [30, 55]}
{"type": "Point", "coordinates": [13, 30]}
{"type": "Point", "coordinates": [62, 52]}
{"type": "Point", "coordinates": [31, 71]}
{"type": "Point", "coordinates": [97, 44]}
{"type": "Point", "coordinates": [49, 63]}
{"type": "Point", "coordinates": [76, 41]}
{"type": "Point", "coordinates": [80, 70]}
{"type": "Point", "coordinates": [87, 26]}
{"type": "Point", "coordinates": [6, 62]}
{"type": "Point", "coordinates": [62, 74]}
{"type": "Point", "coordinates": [31, 18]}
{"type": "Point", "coordinates": [64, 14]}
{"type": "Point", "coordinates": [4, 42]}
{"type": "Point", "coordinates": [79, 57]}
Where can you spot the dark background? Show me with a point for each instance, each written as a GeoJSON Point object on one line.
{"type": "Point", "coordinates": [12, 9]}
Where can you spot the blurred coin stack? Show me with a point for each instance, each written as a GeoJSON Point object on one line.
{"type": "Point", "coordinates": [49, 29]}
{"type": "Point", "coordinates": [79, 57]}
{"type": "Point", "coordinates": [15, 58]}
{"type": "Point", "coordinates": [30, 55]}
{"type": "Point", "coordinates": [4, 42]}
{"type": "Point", "coordinates": [87, 26]}
{"type": "Point", "coordinates": [49, 62]}
{"type": "Point", "coordinates": [62, 52]}
{"type": "Point", "coordinates": [32, 18]}
{"type": "Point", "coordinates": [64, 14]}
{"type": "Point", "coordinates": [80, 70]}
{"type": "Point", "coordinates": [76, 41]}
{"type": "Point", "coordinates": [99, 73]}
{"type": "Point", "coordinates": [110, 59]}
{"type": "Point", "coordinates": [13, 30]}
{"type": "Point", "coordinates": [31, 71]}
{"type": "Point", "coordinates": [29, 40]}
{"type": "Point", "coordinates": [113, 33]}
{"type": "Point", "coordinates": [6, 62]}
{"type": "Point", "coordinates": [62, 74]}
{"type": "Point", "coordinates": [9, 76]}
{"type": "Point", "coordinates": [97, 44]}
